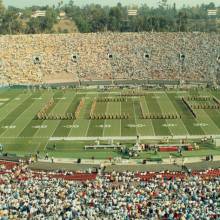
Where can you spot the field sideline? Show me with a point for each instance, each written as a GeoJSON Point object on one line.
{"type": "Point", "coordinates": [19, 126]}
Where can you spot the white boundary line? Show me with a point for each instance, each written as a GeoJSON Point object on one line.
{"type": "Point", "coordinates": [179, 137]}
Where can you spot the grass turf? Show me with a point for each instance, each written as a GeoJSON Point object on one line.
{"type": "Point", "coordinates": [21, 133]}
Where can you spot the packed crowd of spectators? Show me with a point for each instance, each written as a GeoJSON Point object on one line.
{"type": "Point", "coordinates": [26, 194]}
{"type": "Point", "coordinates": [107, 56]}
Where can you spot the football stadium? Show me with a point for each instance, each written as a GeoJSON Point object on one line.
{"type": "Point", "coordinates": [110, 112]}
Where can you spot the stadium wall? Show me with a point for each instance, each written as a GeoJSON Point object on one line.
{"type": "Point", "coordinates": [112, 83]}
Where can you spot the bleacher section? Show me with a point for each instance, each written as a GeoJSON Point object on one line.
{"type": "Point", "coordinates": [108, 56]}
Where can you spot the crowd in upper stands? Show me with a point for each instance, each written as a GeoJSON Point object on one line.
{"type": "Point", "coordinates": [106, 56]}
{"type": "Point", "coordinates": [26, 194]}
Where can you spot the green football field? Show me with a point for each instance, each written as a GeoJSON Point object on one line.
{"type": "Point", "coordinates": [22, 132]}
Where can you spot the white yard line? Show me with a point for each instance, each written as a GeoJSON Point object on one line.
{"type": "Point", "coordinates": [210, 120]}
{"type": "Point", "coordinates": [74, 123]}
{"type": "Point", "coordinates": [68, 112]}
{"type": "Point", "coordinates": [20, 116]}
{"type": "Point", "coordinates": [199, 122]}
{"type": "Point", "coordinates": [45, 122]}
{"type": "Point", "coordinates": [87, 129]}
{"type": "Point", "coordinates": [38, 146]}
{"type": "Point", "coordinates": [164, 119]}
{"type": "Point", "coordinates": [89, 123]}
{"type": "Point", "coordinates": [21, 130]}
{"type": "Point", "coordinates": [50, 137]}
{"type": "Point", "coordinates": [137, 132]}
{"type": "Point", "coordinates": [208, 117]}
{"type": "Point", "coordinates": [173, 107]}
{"type": "Point", "coordinates": [55, 127]}
{"type": "Point", "coordinates": [8, 111]}
{"type": "Point", "coordinates": [120, 119]}
{"type": "Point", "coordinates": [106, 111]}
{"type": "Point", "coordinates": [149, 119]}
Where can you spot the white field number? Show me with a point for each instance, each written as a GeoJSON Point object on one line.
{"type": "Point", "coordinates": [103, 126]}
{"type": "Point", "coordinates": [9, 127]}
{"type": "Point", "coordinates": [169, 125]}
{"type": "Point", "coordinates": [39, 126]}
{"type": "Point", "coordinates": [71, 126]}
{"type": "Point", "coordinates": [200, 125]}
{"type": "Point", "coordinates": [136, 126]}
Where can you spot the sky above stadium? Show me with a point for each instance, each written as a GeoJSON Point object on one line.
{"type": "Point", "coordinates": [153, 3]}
